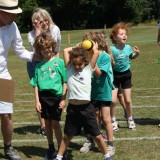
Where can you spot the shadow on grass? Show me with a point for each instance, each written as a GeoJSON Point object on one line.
{"type": "Point", "coordinates": [26, 129]}
{"type": "Point", "coordinates": [147, 121]}
{"type": "Point", "coordinates": [33, 151]}
{"type": "Point", "coordinates": [143, 121]}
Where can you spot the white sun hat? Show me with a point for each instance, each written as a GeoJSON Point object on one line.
{"type": "Point", "coordinates": [10, 6]}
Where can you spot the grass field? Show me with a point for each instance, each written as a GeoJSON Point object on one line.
{"type": "Point", "coordinates": [141, 144]}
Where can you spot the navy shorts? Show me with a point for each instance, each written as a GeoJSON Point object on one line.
{"type": "Point", "coordinates": [50, 104]}
{"type": "Point", "coordinates": [99, 104]}
{"type": "Point", "coordinates": [122, 79]}
{"type": "Point", "coordinates": [81, 116]}
{"type": "Point", "coordinates": [31, 68]}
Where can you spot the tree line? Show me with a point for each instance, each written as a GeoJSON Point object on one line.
{"type": "Point", "coordinates": [84, 14]}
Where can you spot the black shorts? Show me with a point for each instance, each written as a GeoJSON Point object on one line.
{"type": "Point", "coordinates": [99, 104]}
{"type": "Point", "coordinates": [120, 90]}
{"type": "Point", "coordinates": [81, 116]}
{"type": "Point", "coordinates": [122, 79]}
{"type": "Point", "coordinates": [50, 104]}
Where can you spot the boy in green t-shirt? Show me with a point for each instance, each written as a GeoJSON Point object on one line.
{"type": "Point", "coordinates": [49, 82]}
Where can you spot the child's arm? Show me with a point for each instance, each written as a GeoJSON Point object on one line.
{"type": "Point", "coordinates": [136, 52]}
{"type": "Point", "coordinates": [62, 102]}
{"type": "Point", "coordinates": [95, 55]}
{"type": "Point", "coordinates": [38, 104]}
{"type": "Point", "coordinates": [66, 54]}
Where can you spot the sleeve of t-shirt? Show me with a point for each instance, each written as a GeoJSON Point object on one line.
{"type": "Point", "coordinates": [105, 63]}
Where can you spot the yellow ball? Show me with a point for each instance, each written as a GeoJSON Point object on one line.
{"type": "Point", "coordinates": [87, 44]}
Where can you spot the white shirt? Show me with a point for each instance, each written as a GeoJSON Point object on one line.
{"type": "Point", "coordinates": [55, 33]}
{"type": "Point", "coordinates": [10, 36]}
{"type": "Point", "coordinates": [79, 83]}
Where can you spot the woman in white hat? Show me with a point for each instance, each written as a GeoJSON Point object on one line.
{"type": "Point", "coordinates": [9, 36]}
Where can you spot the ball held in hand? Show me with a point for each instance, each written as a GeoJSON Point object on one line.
{"type": "Point", "coordinates": [87, 44]}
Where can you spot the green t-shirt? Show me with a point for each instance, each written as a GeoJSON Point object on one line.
{"type": "Point", "coordinates": [50, 76]}
{"type": "Point", "coordinates": [102, 86]}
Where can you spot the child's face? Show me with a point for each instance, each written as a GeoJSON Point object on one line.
{"type": "Point", "coordinates": [6, 18]}
{"type": "Point", "coordinates": [47, 53]}
{"type": "Point", "coordinates": [42, 22]}
{"type": "Point", "coordinates": [78, 64]}
{"type": "Point", "coordinates": [121, 36]}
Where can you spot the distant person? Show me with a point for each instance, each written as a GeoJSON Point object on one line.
{"type": "Point", "coordinates": [158, 41]}
{"type": "Point", "coordinates": [122, 54]}
{"type": "Point", "coordinates": [80, 112]}
{"type": "Point", "coordinates": [42, 21]}
{"type": "Point", "coordinates": [49, 82]}
{"type": "Point", "coordinates": [158, 36]}
{"type": "Point", "coordinates": [9, 36]}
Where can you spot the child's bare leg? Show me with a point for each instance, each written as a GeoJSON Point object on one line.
{"type": "Point", "coordinates": [58, 132]}
{"type": "Point", "coordinates": [41, 120]}
{"type": "Point", "coordinates": [49, 131]}
{"type": "Point", "coordinates": [128, 102]}
{"type": "Point", "coordinates": [64, 144]}
{"type": "Point", "coordinates": [102, 146]}
{"type": "Point", "coordinates": [106, 118]}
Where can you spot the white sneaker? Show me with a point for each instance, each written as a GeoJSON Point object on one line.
{"type": "Point", "coordinates": [131, 124]}
{"type": "Point", "coordinates": [87, 146]}
{"type": "Point", "coordinates": [111, 150]}
{"type": "Point", "coordinates": [115, 126]}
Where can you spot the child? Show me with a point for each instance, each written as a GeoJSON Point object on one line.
{"type": "Point", "coordinates": [42, 21]}
{"type": "Point", "coordinates": [80, 112]}
{"type": "Point", "coordinates": [122, 54]}
{"type": "Point", "coordinates": [49, 83]}
{"type": "Point", "coordinates": [101, 93]}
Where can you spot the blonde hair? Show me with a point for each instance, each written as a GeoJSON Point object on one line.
{"type": "Point", "coordinates": [40, 12]}
{"type": "Point", "coordinates": [98, 37]}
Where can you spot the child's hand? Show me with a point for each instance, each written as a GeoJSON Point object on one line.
{"type": "Point", "coordinates": [62, 104]}
{"type": "Point", "coordinates": [136, 50]}
{"type": "Point", "coordinates": [38, 107]}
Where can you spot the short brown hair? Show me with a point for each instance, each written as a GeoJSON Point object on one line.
{"type": "Point", "coordinates": [44, 40]}
{"type": "Point", "coordinates": [79, 52]}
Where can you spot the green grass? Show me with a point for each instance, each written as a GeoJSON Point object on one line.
{"type": "Point", "coordinates": [145, 96]}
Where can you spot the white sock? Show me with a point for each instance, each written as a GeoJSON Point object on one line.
{"type": "Point", "coordinates": [59, 157]}
{"type": "Point", "coordinates": [130, 118]}
{"type": "Point", "coordinates": [113, 119]}
{"type": "Point", "coordinates": [106, 155]}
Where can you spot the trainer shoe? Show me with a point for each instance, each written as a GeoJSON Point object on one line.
{"type": "Point", "coordinates": [11, 154]}
{"type": "Point", "coordinates": [111, 150]}
{"type": "Point", "coordinates": [51, 154]}
{"type": "Point", "coordinates": [87, 146]}
{"type": "Point", "coordinates": [42, 132]}
{"type": "Point", "coordinates": [115, 126]}
{"type": "Point", "coordinates": [108, 158]}
{"type": "Point", "coordinates": [131, 124]}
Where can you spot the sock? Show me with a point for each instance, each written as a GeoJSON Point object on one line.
{"type": "Point", "coordinates": [130, 118]}
{"type": "Point", "coordinates": [106, 155]}
{"type": "Point", "coordinates": [59, 157]}
{"type": "Point", "coordinates": [51, 146]}
{"type": "Point", "coordinates": [7, 146]}
{"type": "Point", "coordinates": [113, 119]}
{"type": "Point", "coordinates": [110, 143]}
